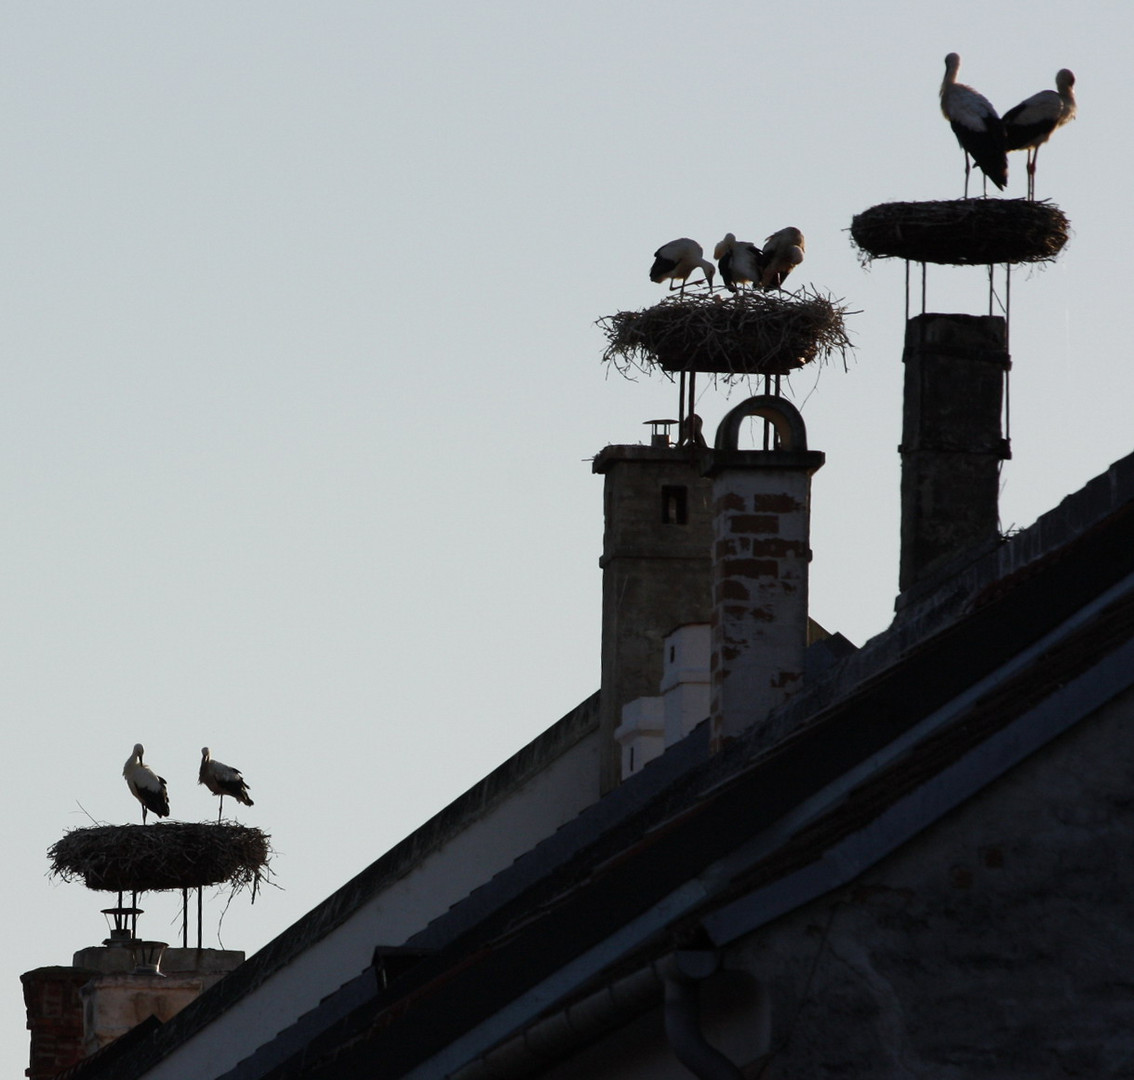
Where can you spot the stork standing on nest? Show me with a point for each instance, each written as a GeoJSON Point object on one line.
{"type": "Point", "coordinates": [1030, 124]}
{"type": "Point", "coordinates": [678, 259]}
{"type": "Point", "coordinates": [783, 252]}
{"type": "Point", "coordinates": [222, 780]}
{"type": "Point", "coordinates": [739, 262]}
{"type": "Point", "coordinates": [145, 785]}
{"type": "Point", "coordinates": [978, 127]}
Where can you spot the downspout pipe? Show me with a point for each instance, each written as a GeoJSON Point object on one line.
{"type": "Point", "coordinates": [682, 972]}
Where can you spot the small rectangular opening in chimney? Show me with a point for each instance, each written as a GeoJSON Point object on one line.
{"type": "Point", "coordinates": [674, 504]}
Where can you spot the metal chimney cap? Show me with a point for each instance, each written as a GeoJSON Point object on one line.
{"type": "Point", "coordinates": [147, 956]}
{"type": "Point", "coordinates": [659, 431]}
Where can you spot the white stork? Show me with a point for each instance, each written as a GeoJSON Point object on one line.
{"type": "Point", "coordinates": [678, 259]}
{"type": "Point", "coordinates": [145, 785]}
{"type": "Point", "coordinates": [740, 262]}
{"type": "Point", "coordinates": [783, 252]}
{"type": "Point", "coordinates": [222, 780]}
{"type": "Point", "coordinates": [1030, 124]}
{"type": "Point", "coordinates": [978, 128]}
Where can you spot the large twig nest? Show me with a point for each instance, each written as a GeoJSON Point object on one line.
{"type": "Point", "coordinates": [746, 333]}
{"type": "Point", "coordinates": [962, 232]}
{"type": "Point", "coordinates": [173, 855]}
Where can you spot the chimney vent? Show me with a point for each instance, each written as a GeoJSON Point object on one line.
{"type": "Point", "coordinates": [659, 431]}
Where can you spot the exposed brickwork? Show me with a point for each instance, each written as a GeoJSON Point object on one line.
{"type": "Point", "coordinates": [754, 523]}
{"type": "Point", "coordinates": [761, 555]}
{"type": "Point", "coordinates": [775, 548]}
{"type": "Point", "coordinates": [725, 549]}
{"type": "Point", "coordinates": [749, 568]}
{"type": "Point", "coordinates": [55, 1018]}
{"type": "Point", "coordinates": [731, 590]}
{"type": "Point", "coordinates": [728, 501]}
{"type": "Point", "coordinates": [775, 503]}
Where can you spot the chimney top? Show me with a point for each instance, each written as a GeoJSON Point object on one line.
{"type": "Point", "coordinates": [659, 431]}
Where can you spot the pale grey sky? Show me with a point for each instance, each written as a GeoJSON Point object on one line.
{"type": "Point", "coordinates": [301, 380]}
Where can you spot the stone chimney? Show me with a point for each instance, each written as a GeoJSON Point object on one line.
{"type": "Point", "coordinates": [656, 572]}
{"type": "Point", "coordinates": [761, 555]}
{"type": "Point", "coordinates": [952, 442]}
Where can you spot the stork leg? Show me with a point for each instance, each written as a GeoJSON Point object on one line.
{"type": "Point", "coordinates": [685, 281]}
{"type": "Point", "coordinates": [1033, 153]}
{"type": "Point", "coordinates": [220, 810]}
{"type": "Point", "coordinates": [967, 168]}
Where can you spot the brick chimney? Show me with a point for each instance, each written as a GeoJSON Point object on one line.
{"type": "Point", "coordinates": [55, 1017]}
{"type": "Point", "coordinates": [761, 554]}
{"type": "Point", "coordinates": [952, 442]}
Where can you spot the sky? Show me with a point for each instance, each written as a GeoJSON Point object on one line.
{"type": "Point", "coordinates": [300, 377]}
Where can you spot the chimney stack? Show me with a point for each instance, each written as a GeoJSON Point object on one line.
{"type": "Point", "coordinates": [656, 572]}
{"type": "Point", "coordinates": [761, 554]}
{"type": "Point", "coordinates": [952, 442]}
{"type": "Point", "coordinates": [110, 989]}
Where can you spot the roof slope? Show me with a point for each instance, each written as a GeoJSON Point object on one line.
{"type": "Point", "coordinates": [998, 659]}
{"type": "Point", "coordinates": [1038, 650]}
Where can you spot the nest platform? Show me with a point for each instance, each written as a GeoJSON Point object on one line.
{"type": "Point", "coordinates": [744, 333]}
{"type": "Point", "coordinates": [152, 858]}
{"type": "Point", "coordinates": [962, 232]}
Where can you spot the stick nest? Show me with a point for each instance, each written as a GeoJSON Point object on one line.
{"type": "Point", "coordinates": [149, 858]}
{"type": "Point", "coordinates": [962, 232]}
{"type": "Point", "coordinates": [746, 333]}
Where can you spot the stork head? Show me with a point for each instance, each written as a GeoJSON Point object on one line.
{"type": "Point", "coordinates": [138, 751]}
{"type": "Point", "coordinates": [792, 235]}
{"type": "Point", "coordinates": [205, 752]}
{"type": "Point", "coordinates": [1064, 80]}
{"type": "Point", "coordinates": [710, 273]}
{"type": "Point", "coordinates": [724, 245]}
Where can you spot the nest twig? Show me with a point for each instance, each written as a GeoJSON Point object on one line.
{"type": "Point", "coordinates": [746, 333]}
{"type": "Point", "coordinates": [962, 232]}
{"type": "Point", "coordinates": [173, 855]}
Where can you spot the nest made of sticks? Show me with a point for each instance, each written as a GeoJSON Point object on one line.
{"type": "Point", "coordinates": [962, 232]}
{"type": "Point", "coordinates": [745, 333]}
{"type": "Point", "coordinates": [173, 855]}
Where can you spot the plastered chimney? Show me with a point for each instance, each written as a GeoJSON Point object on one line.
{"type": "Point", "coordinates": [655, 573]}
{"type": "Point", "coordinates": [74, 1011]}
{"type": "Point", "coordinates": [761, 555]}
